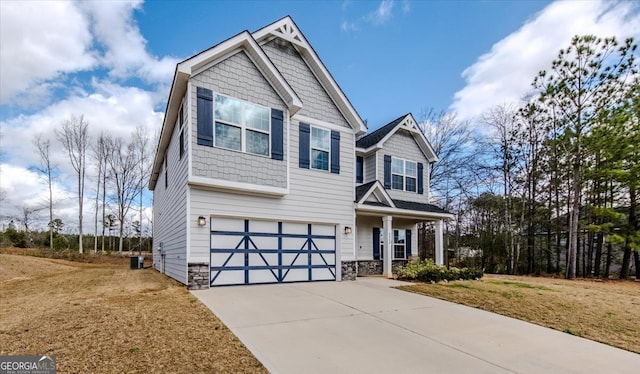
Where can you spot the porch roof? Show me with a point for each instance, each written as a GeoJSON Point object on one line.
{"type": "Point", "coordinates": [395, 207]}
{"type": "Point", "coordinates": [412, 205]}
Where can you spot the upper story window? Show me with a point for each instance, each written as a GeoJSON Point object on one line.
{"type": "Point", "coordinates": [241, 126]}
{"type": "Point", "coordinates": [359, 169]}
{"type": "Point", "coordinates": [404, 175]}
{"type": "Point", "coordinates": [320, 148]}
{"type": "Point", "coordinates": [181, 122]}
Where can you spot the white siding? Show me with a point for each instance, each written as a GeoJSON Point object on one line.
{"type": "Point", "coordinates": [370, 169]}
{"type": "Point", "coordinates": [315, 196]}
{"type": "Point", "coordinates": [169, 213]}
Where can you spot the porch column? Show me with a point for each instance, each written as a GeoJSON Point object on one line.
{"type": "Point", "coordinates": [387, 260]}
{"type": "Point", "coordinates": [439, 243]}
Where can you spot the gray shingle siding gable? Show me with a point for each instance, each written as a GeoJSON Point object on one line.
{"type": "Point", "coordinates": [402, 145]}
{"type": "Point", "coordinates": [316, 103]}
{"type": "Point", "coordinates": [238, 77]}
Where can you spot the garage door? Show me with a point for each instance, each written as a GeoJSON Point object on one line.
{"type": "Point", "coordinates": [245, 251]}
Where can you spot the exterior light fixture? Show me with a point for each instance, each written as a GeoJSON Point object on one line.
{"type": "Point", "coordinates": [202, 221]}
{"type": "Point", "coordinates": [347, 230]}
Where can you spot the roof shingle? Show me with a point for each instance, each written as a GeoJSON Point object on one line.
{"type": "Point", "coordinates": [373, 138]}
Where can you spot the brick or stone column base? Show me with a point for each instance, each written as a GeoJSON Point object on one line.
{"type": "Point", "coordinates": [198, 276]}
{"type": "Point", "coordinates": [348, 270]}
{"type": "Point", "coordinates": [375, 267]}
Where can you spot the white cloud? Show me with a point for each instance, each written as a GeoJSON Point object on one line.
{"type": "Point", "coordinates": [383, 13]}
{"type": "Point", "coordinates": [504, 74]}
{"type": "Point", "coordinates": [347, 26]}
{"type": "Point", "coordinates": [126, 55]}
{"type": "Point", "coordinates": [379, 16]}
{"type": "Point", "coordinates": [113, 109]}
{"type": "Point", "coordinates": [25, 188]}
{"type": "Point", "coordinates": [46, 43]}
{"type": "Point", "coordinates": [406, 6]}
{"type": "Point", "coordinates": [39, 40]}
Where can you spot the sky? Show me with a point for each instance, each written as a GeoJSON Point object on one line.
{"type": "Point", "coordinates": [113, 62]}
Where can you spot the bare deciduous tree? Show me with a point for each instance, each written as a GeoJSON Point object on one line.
{"type": "Point", "coordinates": [141, 140]}
{"type": "Point", "coordinates": [123, 168]}
{"type": "Point", "coordinates": [501, 119]}
{"type": "Point", "coordinates": [75, 140]}
{"type": "Point", "coordinates": [46, 168]}
{"type": "Point", "coordinates": [99, 156]}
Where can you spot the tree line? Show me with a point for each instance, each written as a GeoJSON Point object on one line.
{"type": "Point", "coordinates": [121, 171]}
{"type": "Point", "coordinates": [552, 186]}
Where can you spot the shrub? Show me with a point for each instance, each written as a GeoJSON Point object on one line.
{"type": "Point", "coordinates": [428, 271]}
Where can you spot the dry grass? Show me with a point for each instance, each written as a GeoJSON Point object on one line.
{"type": "Point", "coordinates": [604, 311]}
{"type": "Point", "coordinates": [105, 318]}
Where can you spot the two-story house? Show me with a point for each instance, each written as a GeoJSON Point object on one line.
{"type": "Point", "coordinates": [263, 174]}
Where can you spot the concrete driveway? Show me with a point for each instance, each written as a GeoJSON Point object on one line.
{"type": "Point", "coordinates": [367, 327]}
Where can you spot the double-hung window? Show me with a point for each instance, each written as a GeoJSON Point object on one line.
{"type": "Point", "coordinates": [399, 244]}
{"type": "Point", "coordinates": [182, 121]}
{"type": "Point", "coordinates": [241, 126]}
{"type": "Point", "coordinates": [404, 174]}
{"type": "Point", "coordinates": [320, 148]}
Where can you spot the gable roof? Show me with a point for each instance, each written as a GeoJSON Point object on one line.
{"type": "Point", "coordinates": [195, 64]}
{"type": "Point", "coordinates": [363, 192]}
{"type": "Point", "coordinates": [287, 29]}
{"type": "Point", "coordinates": [373, 138]}
{"type": "Point", "coordinates": [250, 43]}
{"type": "Point", "coordinates": [376, 139]}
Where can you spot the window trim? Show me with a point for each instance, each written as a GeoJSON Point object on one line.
{"type": "Point", "coordinates": [404, 174]}
{"type": "Point", "coordinates": [182, 127]}
{"type": "Point", "coordinates": [166, 172]}
{"type": "Point", "coordinates": [404, 245]}
{"type": "Point", "coordinates": [242, 126]}
{"type": "Point", "coordinates": [311, 148]}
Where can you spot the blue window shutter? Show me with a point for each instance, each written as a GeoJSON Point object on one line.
{"type": "Point", "coordinates": [407, 243]}
{"type": "Point", "coordinates": [376, 243]}
{"type": "Point", "coordinates": [277, 135]}
{"type": "Point", "coordinates": [387, 171]}
{"type": "Point", "coordinates": [305, 135]}
{"type": "Point", "coordinates": [420, 179]}
{"type": "Point", "coordinates": [359, 169]}
{"type": "Point", "coordinates": [205, 117]}
{"type": "Point", "coordinates": [335, 152]}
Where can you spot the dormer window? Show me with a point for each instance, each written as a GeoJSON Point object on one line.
{"type": "Point", "coordinates": [404, 175]}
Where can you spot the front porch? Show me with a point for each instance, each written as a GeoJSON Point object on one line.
{"type": "Point", "coordinates": [385, 241]}
{"type": "Point", "coordinates": [386, 232]}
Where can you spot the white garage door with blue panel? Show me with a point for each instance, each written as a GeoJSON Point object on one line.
{"type": "Point", "coordinates": [250, 251]}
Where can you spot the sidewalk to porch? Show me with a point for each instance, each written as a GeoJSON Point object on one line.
{"type": "Point", "coordinates": [368, 327]}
